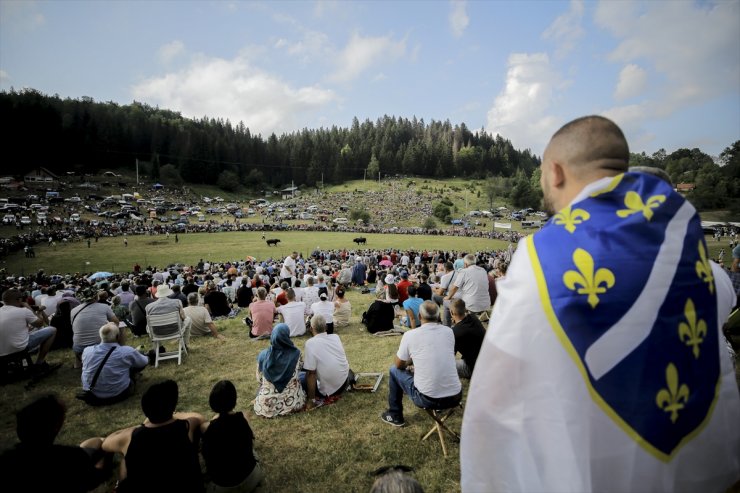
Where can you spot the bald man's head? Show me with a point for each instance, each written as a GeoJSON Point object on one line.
{"type": "Point", "coordinates": [592, 141]}
{"type": "Point", "coordinates": [582, 151]}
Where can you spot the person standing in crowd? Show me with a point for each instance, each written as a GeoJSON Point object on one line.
{"type": "Point", "coordinates": [602, 357]}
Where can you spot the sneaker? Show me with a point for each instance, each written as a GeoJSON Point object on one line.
{"type": "Point", "coordinates": [387, 417]}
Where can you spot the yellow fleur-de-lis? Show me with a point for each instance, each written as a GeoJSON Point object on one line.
{"type": "Point", "coordinates": [693, 332]}
{"type": "Point", "coordinates": [674, 398]}
{"type": "Point", "coordinates": [570, 218]}
{"type": "Point", "coordinates": [703, 269]}
{"type": "Point", "coordinates": [592, 283]}
{"type": "Point", "coordinates": [634, 204]}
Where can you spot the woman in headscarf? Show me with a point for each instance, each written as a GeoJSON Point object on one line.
{"type": "Point", "coordinates": [280, 391]}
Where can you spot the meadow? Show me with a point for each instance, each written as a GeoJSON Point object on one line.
{"type": "Point", "coordinates": [109, 253]}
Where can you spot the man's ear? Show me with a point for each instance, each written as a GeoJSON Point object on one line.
{"type": "Point", "coordinates": [557, 175]}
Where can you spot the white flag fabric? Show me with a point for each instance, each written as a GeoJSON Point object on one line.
{"type": "Point", "coordinates": [538, 417]}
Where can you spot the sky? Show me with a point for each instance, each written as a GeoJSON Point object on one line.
{"type": "Point", "coordinates": [668, 72]}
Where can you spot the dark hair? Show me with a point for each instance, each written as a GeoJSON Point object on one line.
{"type": "Point", "coordinates": [140, 290]}
{"type": "Point", "coordinates": [411, 291]}
{"type": "Point", "coordinates": [160, 400]}
{"type": "Point", "coordinates": [223, 397]}
{"type": "Point", "coordinates": [40, 421]}
{"type": "Point", "coordinates": [339, 292]}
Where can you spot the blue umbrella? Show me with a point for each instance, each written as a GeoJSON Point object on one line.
{"type": "Point", "coordinates": [99, 275]}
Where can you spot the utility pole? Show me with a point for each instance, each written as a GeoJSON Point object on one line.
{"type": "Point", "coordinates": [137, 171]}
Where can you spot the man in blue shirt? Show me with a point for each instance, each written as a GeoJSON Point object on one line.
{"type": "Point", "coordinates": [116, 380]}
{"type": "Point", "coordinates": [411, 306]}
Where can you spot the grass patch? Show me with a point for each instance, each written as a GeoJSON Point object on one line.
{"type": "Point", "coordinates": [328, 449]}
{"type": "Point", "coordinates": [109, 254]}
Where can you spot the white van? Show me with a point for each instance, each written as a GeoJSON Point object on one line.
{"type": "Point", "coordinates": [531, 224]}
{"type": "Point", "coordinates": [340, 220]}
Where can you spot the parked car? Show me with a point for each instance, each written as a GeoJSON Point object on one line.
{"type": "Point", "coordinates": [25, 220]}
{"type": "Point", "coordinates": [74, 217]}
{"type": "Point", "coordinates": [8, 219]}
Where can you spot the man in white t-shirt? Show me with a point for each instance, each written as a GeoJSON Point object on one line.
{"type": "Point", "coordinates": [287, 271]}
{"type": "Point", "coordinates": [325, 309]}
{"type": "Point", "coordinates": [16, 320]}
{"type": "Point", "coordinates": [472, 283]}
{"type": "Point", "coordinates": [431, 381]}
{"type": "Point", "coordinates": [445, 283]}
{"type": "Point", "coordinates": [326, 369]}
{"type": "Point", "coordinates": [292, 314]}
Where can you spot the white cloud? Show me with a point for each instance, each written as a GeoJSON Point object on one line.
{"type": "Point", "coordinates": [235, 90]}
{"type": "Point", "coordinates": [4, 76]}
{"type": "Point", "coordinates": [520, 111]}
{"type": "Point", "coordinates": [458, 17]}
{"type": "Point", "coordinates": [361, 53]}
{"type": "Point", "coordinates": [632, 82]}
{"type": "Point", "coordinates": [170, 51]}
{"type": "Point", "coordinates": [313, 45]}
{"type": "Point", "coordinates": [380, 77]}
{"type": "Point", "coordinates": [566, 29]}
{"type": "Point", "coordinates": [692, 48]}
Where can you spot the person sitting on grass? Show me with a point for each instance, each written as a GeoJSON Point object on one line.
{"type": "Point", "coordinates": [201, 323]}
{"type": "Point", "coordinates": [215, 301]}
{"type": "Point", "coordinates": [469, 334]}
{"type": "Point", "coordinates": [325, 308]}
{"type": "Point", "coordinates": [116, 378]}
{"type": "Point", "coordinates": [326, 369]}
{"type": "Point", "coordinates": [161, 454]}
{"type": "Point", "coordinates": [310, 294]}
{"type": "Point", "coordinates": [342, 308]}
{"type": "Point", "coordinates": [411, 307]}
{"type": "Point", "coordinates": [18, 322]}
{"type": "Point", "coordinates": [137, 309]}
{"type": "Point", "coordinates": [228, 444]}
{"type": "Point", "coordinates": [86, 322]}
{"type": "Point", "coordinates": [37, 464]}
{"type": "Point", "coordinates": [278, 366]}
{"type": "Point", "coordinates": [424, 368]}
{"type": "Point", "coordinates": [262, 313]}
{"type": "Point", "coordinates": [380, 314]}
{"type": "Point", "coordinates": [292, 314]}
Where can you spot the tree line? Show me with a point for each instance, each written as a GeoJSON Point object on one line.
{"type": "Point", "coordinates": [86, 136]}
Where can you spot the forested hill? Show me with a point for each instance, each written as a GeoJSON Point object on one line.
{"type": "Point", "coordinates": [84, 135]}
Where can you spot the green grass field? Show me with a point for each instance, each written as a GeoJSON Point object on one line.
{"type": "Point", "coordinates": [109, 254]}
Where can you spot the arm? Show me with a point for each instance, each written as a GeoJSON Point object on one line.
{"type": "Point", "coordinates": [118, 441]}
{"type": "Point", "coordinates": [452, 292]}
{"type": "Point", "coordinates": [310, 388]}
{"type": "Point", "coordinates": [214, 332]}
{"type": "Point", "coordinates": [41, 319]}
{"type": "Point", "coordinates": [412, 319]}
{"type": "Point", "coordinates": [400, 364]}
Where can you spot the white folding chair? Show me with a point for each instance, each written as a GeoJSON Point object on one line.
{"type": "Point", "coordinates": [167, 327]}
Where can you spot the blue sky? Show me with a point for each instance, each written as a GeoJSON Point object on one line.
{"type": "Point", "coordinates": [668, 72]}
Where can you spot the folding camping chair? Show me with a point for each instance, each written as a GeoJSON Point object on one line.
{"type": "Point", "coordinates": [167, 327]}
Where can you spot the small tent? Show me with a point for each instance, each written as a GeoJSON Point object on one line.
{"type": "Point", "coordinates": [157, 186]}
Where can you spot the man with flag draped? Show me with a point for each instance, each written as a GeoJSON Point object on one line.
{"type": "Point", "coordinates": [602, 368]}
